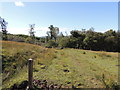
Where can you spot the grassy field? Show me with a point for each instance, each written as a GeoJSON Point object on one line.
{"type": "Point", "coordinates": [81, 68]}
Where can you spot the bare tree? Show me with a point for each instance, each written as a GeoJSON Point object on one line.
{"type": "Point", "coordinates": [54, 31]}
{"type": "Point", "coordinates": [32, 26]}
{"type": "Point", "coordinates": [32, 32]}
{"type": "Point", "coordinates": [4, 28]}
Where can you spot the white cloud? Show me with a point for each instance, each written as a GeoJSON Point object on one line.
{"type": "Point", "coordinates": [41, 31]}
{"type": "Point", "coordinates": [19, 4]}
{"type": "Point", "coordinates": [18, 30]}
{"type": "Point", "coordinates": [38, 31]}
{"type": "Point", "coordinates": [65, 31]}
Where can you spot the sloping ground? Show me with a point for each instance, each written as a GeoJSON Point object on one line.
{"type": "Point", "coordinates": [81, 68]}
{"type": "Point", "coordinates": [15, 60]}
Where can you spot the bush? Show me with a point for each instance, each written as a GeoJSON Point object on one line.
{"type": "Point", "coordinates": [95, 56]}
{"type": "Point", "coordinates": [23, 85]}
{"type": "Point", "coordinates": [84, 52]}
{"type": "Point", "coordinates": [29, 40]}
{"type": "Point", "coordinates": [51, 44]}
{"type": "Point", "coordinates": [63, 42]}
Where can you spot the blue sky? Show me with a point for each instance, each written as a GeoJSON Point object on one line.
{"type": "Point", "coordinates": [65, 15]}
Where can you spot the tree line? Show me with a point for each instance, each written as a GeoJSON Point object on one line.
{"type": "Point", "coordinates": [79, 39]}
{"type": "Point", "coordinates": [89, 40]}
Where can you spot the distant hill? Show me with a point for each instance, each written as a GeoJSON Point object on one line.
{"type": "Point", "coordinates": [81, 68]}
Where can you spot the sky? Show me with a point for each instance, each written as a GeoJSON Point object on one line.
{"type": "Point", "coordinates": [65, 15]}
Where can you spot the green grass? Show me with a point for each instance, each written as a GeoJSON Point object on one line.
{"type": "Point", "coordinates": [84, 68]}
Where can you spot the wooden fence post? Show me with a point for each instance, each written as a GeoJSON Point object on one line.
{"type": "Point", "coordinates": [30, 73]}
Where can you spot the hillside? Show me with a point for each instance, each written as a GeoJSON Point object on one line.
{"type": "Point", "coordinates": [81, 68]}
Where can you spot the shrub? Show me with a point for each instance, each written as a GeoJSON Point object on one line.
{"type": "Point", "coordinates": [23, 85]}
{"type": "Point", "coordinates": [29, 40]}
{"type": "Point", "coordinates": [63, 42]}
{"type": "Point", "coordinates": [66, 70]}
{"type": "Point", "coordinates": [51, 44]}
{"type": "Point", "coordinates": [94, 56]}
{"type": "Point", "coordinates": [84, 52]}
